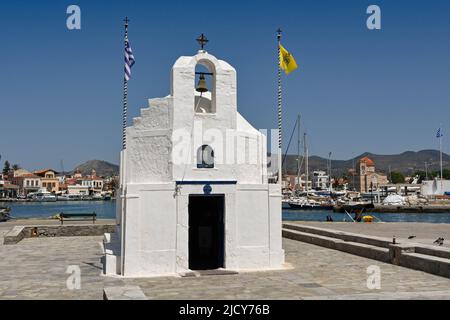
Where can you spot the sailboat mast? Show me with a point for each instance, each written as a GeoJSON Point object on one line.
{"type": "Point", "coordinates": [298, 151]}
{"type": "Point", "coordinates": [442, 171]}
{"type": "Point", "coordinates": [306, 163]}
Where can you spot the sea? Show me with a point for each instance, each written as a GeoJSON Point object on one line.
{"type": "Point", "coordinates": [107, 210]}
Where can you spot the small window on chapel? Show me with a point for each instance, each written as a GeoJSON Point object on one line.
{"type": "Point", "coordinates": [205, 157]}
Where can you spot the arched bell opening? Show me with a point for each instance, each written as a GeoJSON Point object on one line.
{"type": "Point", "coordinates": [205, 88]}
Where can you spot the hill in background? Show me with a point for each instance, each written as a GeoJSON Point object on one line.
{"type": "Point", "coordinates": [406, 162]}
{"type": "Point", "coordinates": [103, 168]}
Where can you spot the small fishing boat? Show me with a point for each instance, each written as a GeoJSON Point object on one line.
{"type": "Point", "coordinates": [4, 213]}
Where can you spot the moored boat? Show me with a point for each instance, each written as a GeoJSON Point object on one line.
{"type": "Point", "coordinates": [309, 204]}
{"type": "Point", "coordinates": [4, 213]}
{"type": "Point", "coordinates": [44, 196]}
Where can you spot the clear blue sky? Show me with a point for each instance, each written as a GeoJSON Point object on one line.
{"type": "Point", "coordinates": [357, 90]}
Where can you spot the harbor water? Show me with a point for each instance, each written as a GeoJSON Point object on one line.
{"type": "Point", "coordinates": [29, 210]}
{"type": "Point", "coordinates": [107, 210]}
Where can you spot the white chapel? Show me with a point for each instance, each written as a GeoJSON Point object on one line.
{"type": "Point", "coordinates": [194, 187]}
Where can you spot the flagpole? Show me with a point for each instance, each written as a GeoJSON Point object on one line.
{"type": "Point", "coordinates": [280, 138]}
{"type": "Point", "coordinates": [125, 95]}
{"type": "Point", "coordinates": [122, 162]}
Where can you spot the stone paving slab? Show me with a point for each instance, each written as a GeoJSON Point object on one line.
{"type": "Point", "coordinates": [123, 293]}
{"type": "Point", "coordinates": [318, 272]}
{"type": "Point", "coordinates": [36, 269]}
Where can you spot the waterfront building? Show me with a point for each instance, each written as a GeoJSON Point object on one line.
{"type": "Point", "coordinates": [366, 176]}
{"type": "Point", "coordinates": [8, 190]}
{"type": "Point", "coordinates": [93, 182]}
{"type": "Point", "coordinates": [293, 182]}
{"type": "Point", "coordinates": [49, 180]}
{"type": "Point", "coordinates": [27, 182]}
{"type": "Point", "coordinates": [77, 174]}
{"type": "Point", "coordinates": [84, 185]}
{"type": "Point", "coordinates": [20, 172]}
{"type": "Point", "coordinates": [78, 189]}
{"type": "Point", "coordinates": [195, 192]}
{"type": "Point", "coordinates": [320, 180]}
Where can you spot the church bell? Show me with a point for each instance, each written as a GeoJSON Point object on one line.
{"type": "Point", "coordinates": [201, 87]}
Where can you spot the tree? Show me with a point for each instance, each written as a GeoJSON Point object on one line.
{"type": "Point", "coordinates": [15, 167]}
{"type": "Point", "coordinates": [397, 177]}
{"type": "Point", "coordinates": [445, 173]}
{"type": "Point", "coordinates": [6, 168]}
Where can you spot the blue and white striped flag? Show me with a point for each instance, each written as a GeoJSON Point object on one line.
{"type": "Point", "coordinates": [439, 133]}
{"type": "Point", "coordinates": [129, 60]}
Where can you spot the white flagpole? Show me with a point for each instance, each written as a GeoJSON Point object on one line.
{"type": "Point", "coordinates": [122, 164]}
{"type": "Point", "coordinates": [280, 137]}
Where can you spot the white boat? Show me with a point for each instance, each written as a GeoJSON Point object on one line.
{"type": "Point", "coordinates": [97, 196]}
{"type": "Point", "coordinates": [44, 196]}
{"type": "Point", "coordinates": [310, 204]}
{"type": "Point", "coordinates": [69, 197]}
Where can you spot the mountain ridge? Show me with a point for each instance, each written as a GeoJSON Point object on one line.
{"type": "Point", "coordinates": [406, 162]}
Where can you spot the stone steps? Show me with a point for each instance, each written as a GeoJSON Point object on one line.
{"type": "Point", "coordinates": [346, 236]}
{"type": "Point", "coordinates": [359, 249]}
{"type": "Point", "coordinates": [426, 263]}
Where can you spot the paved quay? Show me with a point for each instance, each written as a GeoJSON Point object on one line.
{"type": "Point", "coordinates": [7, 226]}
{"type": "Point", "coordinates": [318, 273]}
{"type": "Point", "coordinates": [36, 269]}
{"type": "Point", "coordinates": [425, 233]}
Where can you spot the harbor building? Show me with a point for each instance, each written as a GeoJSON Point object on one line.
{"type": "Point", "coordinates": [81, 185]}
{"type": "Point", "coordinates": [320, 180]}
{"type": "Point", "coordinates": [185, 202]}
{"type": "Point", "coordinates": [93, 183]}
{"type": "Point", "coordinates": [294, 182]}
{"type": "Point", "coordinates": [366, 176]}
{"type": "Point", "coordinates": [49, 180]}
{"type": "Point", "coordinates": [27, 182]}
{"type": "Point", "coordinates": [8, 190]}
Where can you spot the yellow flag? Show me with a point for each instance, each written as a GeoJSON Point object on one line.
{"type": "Point", "coordinates": [287, 61]}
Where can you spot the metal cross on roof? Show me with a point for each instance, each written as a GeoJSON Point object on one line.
{"type": "Point", "coordinates": [202, 40]}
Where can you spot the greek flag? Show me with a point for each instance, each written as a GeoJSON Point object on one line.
{"type": "Point", "coordinates": [129, 60]}
{"type": "Point", "coordinates": [439, 133]}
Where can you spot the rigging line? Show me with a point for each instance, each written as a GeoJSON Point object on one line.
{"type": "Point", "coordinates": [290, 140]}
{"type": "Point", "coordinates": [177, 188]}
